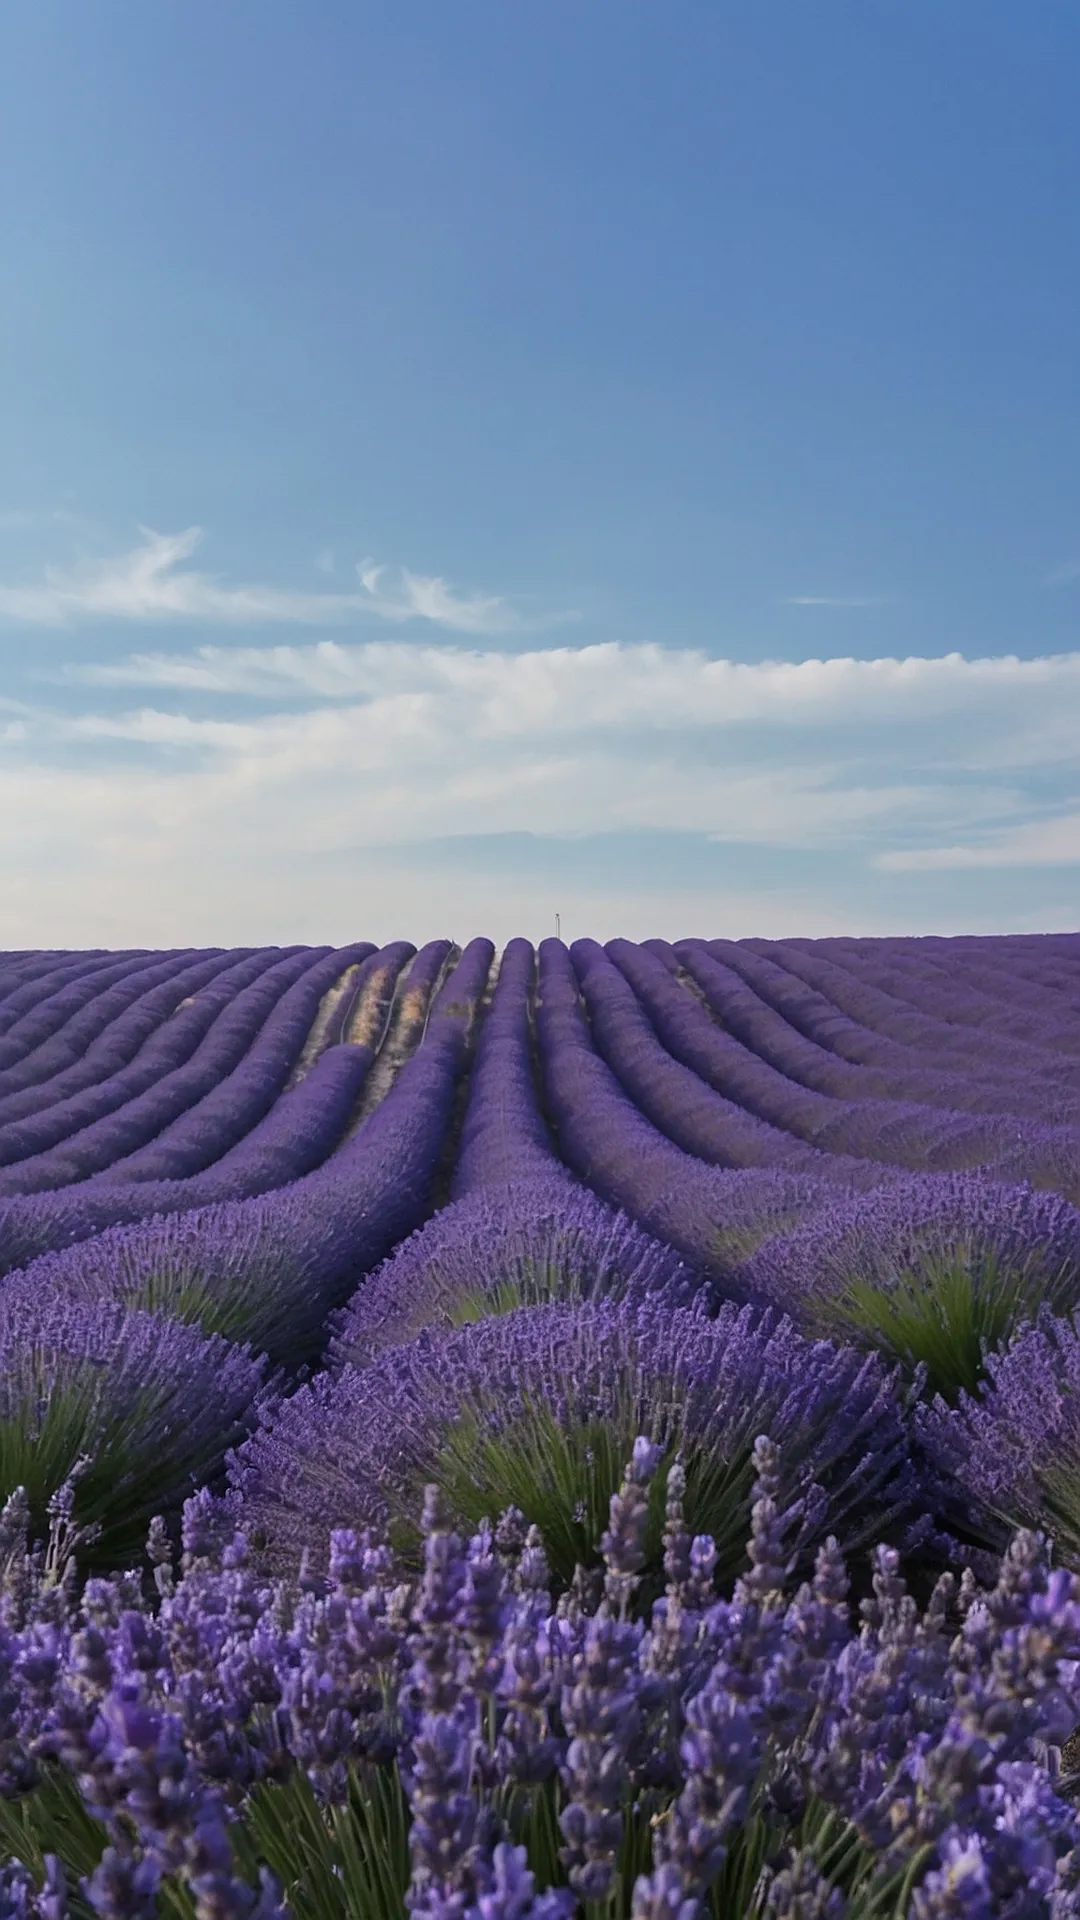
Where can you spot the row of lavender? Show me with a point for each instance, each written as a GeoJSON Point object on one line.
{"type": "Point", "coordinates": [756, 1212]}
{"type": "Point", "coordinates": [768, 1075]}
{"type": "Point", "coordinates": [514, 1349]}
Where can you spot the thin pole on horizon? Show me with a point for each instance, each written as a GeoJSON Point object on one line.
{"type": "Point", "coordinates": [558, 928]}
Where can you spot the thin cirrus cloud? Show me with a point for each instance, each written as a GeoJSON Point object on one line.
{"type": "Point", "coordinates": [1053, 842]}
{"type": "Point", "coordinates": [834, 600]}
{"type": "Point", "coordinates": [152, 583]}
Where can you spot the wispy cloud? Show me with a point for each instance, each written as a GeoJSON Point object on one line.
{"type": "Point", "coordinates": [333, 753]}
{"type": "Point", "coordinates": [1064, 575]}
{"type": "Point", "coordinates": [835, 600]}
{"type": "Point", "coordinates": [422, 740]}
{"type": "Point", "coordinates": [1050, 842]}
{"type": "Point", "coordinates": [19, 519]}
{"type": "Point", "coordinates": [1011, 709]}
{"type": "Point", "coordinates": [152, 583]}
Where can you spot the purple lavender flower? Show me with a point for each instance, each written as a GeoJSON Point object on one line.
{"type": "Point", "coordinates": [911, 1224]}
{"type": "Point", "coordinates": [509, 1891]}
{"type": "Point", "coordinates": [149, 1404]}
{"type": "Point", "coordinates": [800, 1891]}
{"type": "Point", "coordinates": [505, 1137]}
{"type": "Point", "coordinates": [503, 1248]}
{"type": "Point", "coordinates": [922, 1758]}
{"type": "Point", "coordinates": [539, 1408]}
{"type": "Point", "coordinates": [1011, 1456]}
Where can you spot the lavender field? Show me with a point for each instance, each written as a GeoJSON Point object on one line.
{"type": "Point", "coordinates": [490, 1435]}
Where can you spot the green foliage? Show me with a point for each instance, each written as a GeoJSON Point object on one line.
{"type": "Point", "coordinates": [731, 1245]}
{"type": "Point", "coordinates": [1059, 1502]}
{"type": "Point", "coordinates": [52, 1819]}
{"type": "Point", "coordinates": [505, 1298]}
{"type": "Point", "coordinates": [186, 1296]}
{"type": "Point", "coordinates": [347, 1862]}
{"type": "Point", "coordinates": [351, 1861]}
{"type": "Point", "coordinates": [118, 1487]}
{"type": "Point", "coordinates": [172, 1280]}
{"type": "Point", "coordinates": [561, 1475]}
{"type": "Point", "coordinates": [534, 1284]}
{"type": "Point", "coordinates": [944, 1315]}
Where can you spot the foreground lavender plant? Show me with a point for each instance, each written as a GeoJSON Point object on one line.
{"type": "Point", "coordinates": [149, 1405]}
{"type": "Point", "coordinates": [759, 1756]}
{"type": "Point", "coordinates": [539, 1407]}
{"type": "Point", "coordinates": [1011, 1456]}
{"type": "Point", "coordinates": [917, 1224]}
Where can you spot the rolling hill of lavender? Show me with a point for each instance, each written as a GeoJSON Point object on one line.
{"type": "Point", "coordinates": [513, 1433]}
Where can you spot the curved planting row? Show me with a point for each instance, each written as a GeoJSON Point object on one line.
{"type": "Point", "coordinates": [505, 1137]}
{"type": "Point", "coordinates": [236, 1101]}
{"type": "Point", "coordinates": [278, 1263]}
{"type": "Point", "coordinates": [49, 981]}
{"type": "Point", "coordinates": [809, 1039]}
{"type": "Point", "coordinates": [302, 1128]}
{"type": "Point", "coordinates": [713, 1216]}
{"type": "Point", "coordinates": [416, 986]}
{"type": "Point", "coordinates": [159, 1031]}
{"type": "Point", "coordinates": [676, 1098]}
{"type": "Point", "coordinates": [853, 1013]}
{"type": "Point", "coordinates": [28, 1030]}
{"type": "Point", "coordinates": [900, 1134]}
{"type": "Point", "coordinates": [964, 996]}
{"type": "Point", "coordinates": [96, 1127]}
{"type": "Point", "coordinates": [43, 1066]}
{"type": "Point", "coordinates": [300, 1131]}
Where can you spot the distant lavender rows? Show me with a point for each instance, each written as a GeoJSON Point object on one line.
{"type": "Point", "coordinates": [303, 1109]}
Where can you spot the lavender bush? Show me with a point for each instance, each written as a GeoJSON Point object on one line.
{"type": "Point", "coordinates": [144, 1407]}
{"type": "Point", "coordinates": [931, 1272]}
{"type": "Point", "coordinates": [537, 1408]}
{"type": "Point", "coordinates": [465, 1746]}
{"type": "Point", "coordinates": [501, 1248]}
{"type": "Point", "coordinates": [1011, 1454]}
{"type": "Point", "coordinates": [223, 1269]}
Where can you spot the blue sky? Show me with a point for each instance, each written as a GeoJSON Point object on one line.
{"type": "Point", "coordinates": [465, 463]}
